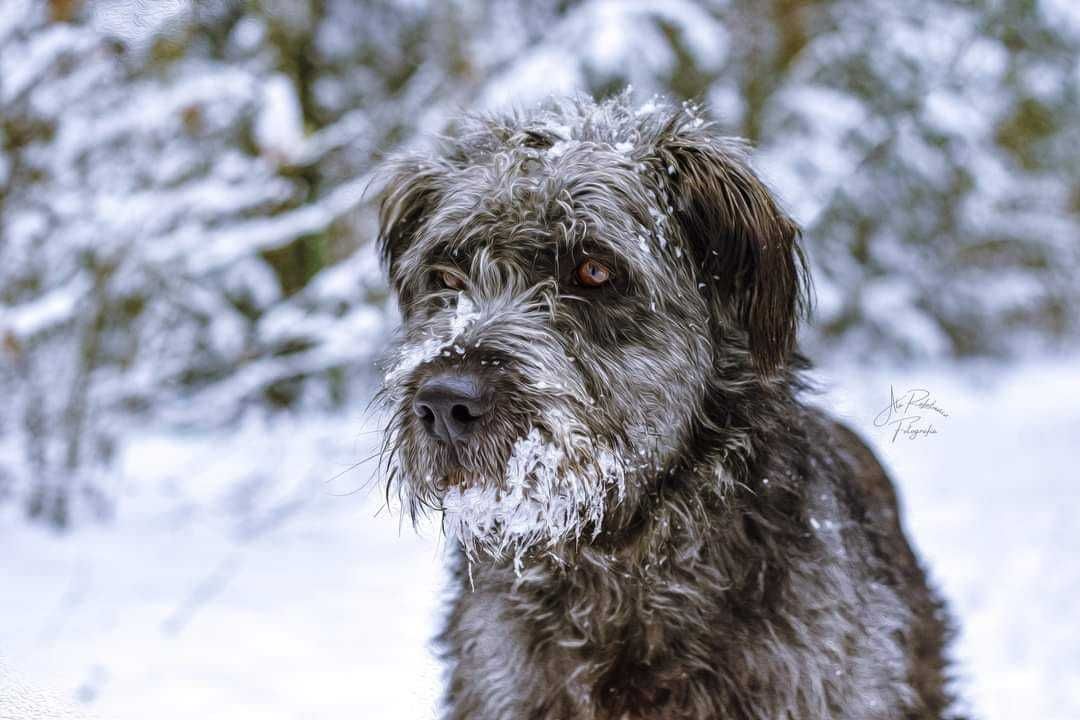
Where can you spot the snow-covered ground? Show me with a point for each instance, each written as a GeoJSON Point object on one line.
{"type": "Point", "coordinates": [252, 575]}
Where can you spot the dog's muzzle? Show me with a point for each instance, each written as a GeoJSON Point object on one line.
{"type": "Point", "coordinates": [452, 405]}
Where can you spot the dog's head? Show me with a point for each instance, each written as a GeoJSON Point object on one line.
{"type": "Point", "coordinates": [573, 282]}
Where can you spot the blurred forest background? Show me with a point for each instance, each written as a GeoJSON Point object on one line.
{"type": "Point", "coordinates": [186, 214]}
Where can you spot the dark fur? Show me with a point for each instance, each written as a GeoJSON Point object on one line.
{"type": "Point", "coordinates": [744, 558]}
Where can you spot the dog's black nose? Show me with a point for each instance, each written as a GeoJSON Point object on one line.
{"type": "Point", "coordinates": [451, 405]}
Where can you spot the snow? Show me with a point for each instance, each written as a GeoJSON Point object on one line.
{"type": "Point", "coordinates": [541, 500]}
{"type": "Point", "coordinates": [248, 576]}
{"type": "Point", "coordinates": [240, 240]}
{"type": "Point", "coordinates": [37, 58]}
{"type": "Point", "coordinates": [20, 701]}
{"type": "Point", "coordinates": [560, 147]}
{"type": "Point", "coordinates": [138, 24]}
{"type": "Point", "coordinates": [253, 573]}
{"type": "Point", "coordinates": [49, 310]}
{"type": "Point", "coordinates": [279, 124]}
{"type": "Point", "coordinates": [605, 38]}
{"type": "Point", "coordinates": [414, 355]}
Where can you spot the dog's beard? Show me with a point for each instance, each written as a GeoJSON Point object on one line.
{"type": "Point", "coordinates": [535, 485]}
{"type": "Point", "coordinates": [552, 491]}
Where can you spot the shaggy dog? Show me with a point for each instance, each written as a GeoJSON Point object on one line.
{"type": "Point", "coordinates": [598, 388]}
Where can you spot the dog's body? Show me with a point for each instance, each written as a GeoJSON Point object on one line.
{"type": "Point", "coordinates": [599, 388]}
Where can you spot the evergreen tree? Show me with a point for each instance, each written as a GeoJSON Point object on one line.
{"type": "Point", "coordinates": [186, 210]}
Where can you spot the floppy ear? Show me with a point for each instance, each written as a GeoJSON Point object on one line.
{"type": "Point", "coordinates": [411, 190]}
{"type": "Point", "coordinates": [745, 246]}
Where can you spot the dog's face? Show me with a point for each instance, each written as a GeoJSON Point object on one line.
{"type": "Point", "coordinates": [572, 284]}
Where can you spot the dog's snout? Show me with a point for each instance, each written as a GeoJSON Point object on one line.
{"type": "Point", "coordinates": [451, 405]}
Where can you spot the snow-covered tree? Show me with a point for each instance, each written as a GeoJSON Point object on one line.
{"type": "Point", "coordinates": [186, 209]}
{"type": "Point", "coordinates": [146, 186]}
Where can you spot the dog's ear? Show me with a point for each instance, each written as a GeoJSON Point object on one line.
{"type": "Point", "coordinates": [745, 246]}
{"type": "Point", "coordinates": [411, 190]}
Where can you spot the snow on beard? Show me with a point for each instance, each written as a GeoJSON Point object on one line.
{"type": "Point", "coordinates": [556, 488]}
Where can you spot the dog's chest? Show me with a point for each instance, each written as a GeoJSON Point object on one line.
{"type": "Point", "coordinates": [625, 689]}
{"type": "Point", "coordinates": [639, 692]}
{"type": "Point", "coordinates": [615, 656]}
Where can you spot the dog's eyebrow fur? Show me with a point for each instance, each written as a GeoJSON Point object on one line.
{"type": "Point", "coordinates": [591, 210]}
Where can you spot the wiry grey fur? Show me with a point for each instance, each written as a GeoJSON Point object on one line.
{"type": "Point", "coordinates": [650, 523]}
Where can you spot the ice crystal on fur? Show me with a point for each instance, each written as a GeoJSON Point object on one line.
{"type": "Point", "coordinates": [541, 500]}
{"type": "Point", "coordinates": [414, 355]}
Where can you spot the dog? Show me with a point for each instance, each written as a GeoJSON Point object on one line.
{"type": "Point", "coordinates": [598, 387]}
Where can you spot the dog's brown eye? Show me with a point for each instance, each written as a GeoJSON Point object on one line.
{"type": "Point", "coordinates": [592, 273]}
{"type": "Point", "coordinates": [451, 280]}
